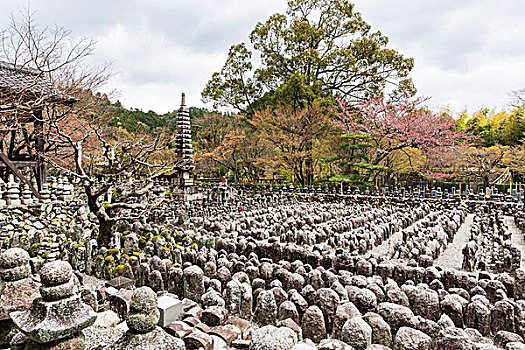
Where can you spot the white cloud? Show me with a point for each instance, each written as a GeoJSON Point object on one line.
{"type": "Point", "coordinates": [467, 53]}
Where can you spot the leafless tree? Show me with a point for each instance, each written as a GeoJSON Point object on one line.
{"type": "Point", "coordinates": [517, 98]}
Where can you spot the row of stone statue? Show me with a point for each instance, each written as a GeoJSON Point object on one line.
{"type": "Point", "coordinates": [14, 194]}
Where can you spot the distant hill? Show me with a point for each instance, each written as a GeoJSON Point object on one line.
{"type": "Point", "coordinates": [135, 120]}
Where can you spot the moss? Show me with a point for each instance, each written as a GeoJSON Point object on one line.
{"type": "Point", "coordinates": [181, 238]}
{"type": "Point", "coordinates": [118, 271]}
{"type": "Point", "coordinates": [109, 267]}
{"type": "Point", "coordinates": [116, 194]}
{"type": "Point", "coordinates": [34, 249]}
{"type": "Point", "coordinates": [124, 234]}
{"type": "Point", "coordinates": [113, 251]}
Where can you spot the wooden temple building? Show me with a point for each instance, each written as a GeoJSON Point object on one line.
{"type": "Point", "coordinates": [24, 96]}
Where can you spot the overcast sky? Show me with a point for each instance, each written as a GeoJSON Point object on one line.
{"type": "Point", "coordinates": [468, 53]}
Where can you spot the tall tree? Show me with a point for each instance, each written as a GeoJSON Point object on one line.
{"type": "Point", "coordinates": [481, 163]}
{"type": "Point", "coordinates": [226, 144]}
{"type": "Point", "coordinates": [316, 49]}
{"type": "Point", "coordinates": [505, 127]}
{"type": "Point", "coordinates": [297, 138]}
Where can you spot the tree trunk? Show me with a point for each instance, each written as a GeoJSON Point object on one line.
{"type": "Point", "coordinates": [104, 226]}
{"type": "Point", "coordinates": [104, 232]}
{"type": "Point", "coordinates": [309, 165]}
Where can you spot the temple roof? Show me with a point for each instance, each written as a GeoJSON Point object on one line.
{"type": "Point", "coordinates": [30, 84]}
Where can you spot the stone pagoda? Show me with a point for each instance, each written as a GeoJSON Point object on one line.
{"type": "Point", "coordinates": [56, 320]}
{"type": "Point", "coordinates": [184, 149]}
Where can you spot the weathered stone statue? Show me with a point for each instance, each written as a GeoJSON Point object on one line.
{"type": "Point", "coordinates": [142, 321]}
{"type": "Point", "coordinates": [56, 320]}
{"type": "Point", "coordinates": [469, 254]}
{"type": "Point", "coordinates": [17, 290]}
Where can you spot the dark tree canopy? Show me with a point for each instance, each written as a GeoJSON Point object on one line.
{"type": "Point", "coordinates": [318, 48]}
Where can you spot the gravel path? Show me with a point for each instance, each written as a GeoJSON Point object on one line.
{"type": "Point", "coordinates": [385, 248]}
{"type": "Point", "coordinates": [452, 256]}
{"type": "Point", "coordinates": [517, 237]}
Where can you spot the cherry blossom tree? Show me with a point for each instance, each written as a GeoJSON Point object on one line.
{"type": "Point", "coordinates": [398, 126]}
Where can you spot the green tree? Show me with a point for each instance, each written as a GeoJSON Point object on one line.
{"type": "Point", "coordinates": [316, 49]}
{"type": "Point", "coordinates": [506, 127]}
{"type": "Point", "coordinates": [353, 159]}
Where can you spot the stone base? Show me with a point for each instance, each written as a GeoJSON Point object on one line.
{"type": "Point", "coordinates": [46, 321]}
{"type": "Point", "coordinates": [23, 343]}
{"type": "Point", "coordinates": [157, 339]}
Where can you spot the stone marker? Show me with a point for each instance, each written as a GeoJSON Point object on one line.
{"type": "Point", "coordinates": [119, 302]}
{"type": "Point", "coordinates": [273, 338]}
{"type": "Point", "coordinates": [120, 282]}
{"type": "Point", "coordinates": [170, 310]}
{"type": "Point", "coordinates": [142, 321]}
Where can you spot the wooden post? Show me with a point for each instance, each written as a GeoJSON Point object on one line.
{"type": "Point", "coordinates": [18, 174]}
